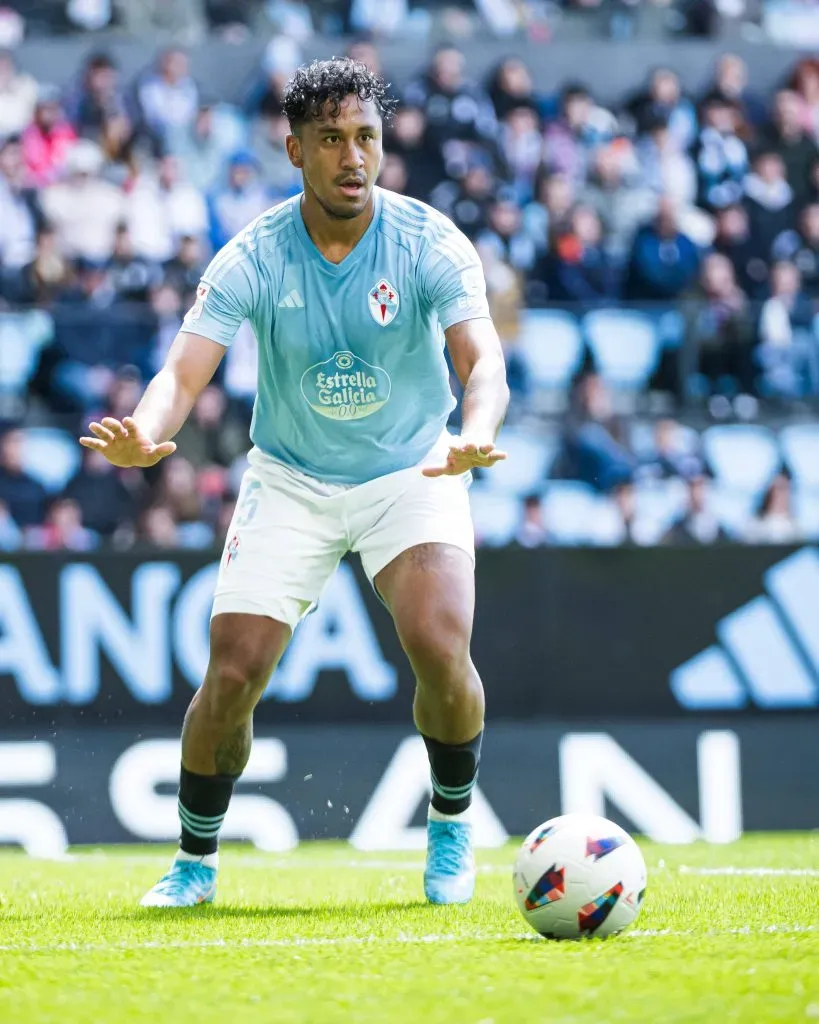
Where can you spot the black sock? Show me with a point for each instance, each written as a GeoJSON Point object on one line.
{"type": "Point", "coordinates": [203, 803]}
{"type": "Point", "coordinates": [454, 769]}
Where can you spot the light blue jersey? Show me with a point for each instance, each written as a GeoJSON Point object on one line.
{"type": "Point", "coordinates": [353, 383]}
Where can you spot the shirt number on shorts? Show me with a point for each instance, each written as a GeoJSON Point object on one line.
{"type": "Point", "coordinates": [250, 502]}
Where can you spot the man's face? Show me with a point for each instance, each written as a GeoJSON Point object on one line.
{"type": "Point", "coordinates": [340, 156]}
{"type": "Point", "coordinates": [11, 160]}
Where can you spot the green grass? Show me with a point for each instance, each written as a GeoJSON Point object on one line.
{"type": "Point", "coordinates": [327, 934]}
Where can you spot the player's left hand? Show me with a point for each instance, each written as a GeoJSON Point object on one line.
{"type": "Point", "coordinates": [466, 453]}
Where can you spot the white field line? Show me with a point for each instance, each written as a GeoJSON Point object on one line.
{"type": "Point", "coordinates": [295, 863]}
{"type": "Point", "coordinates": [753, 872]}
{"type": "Point", "coordinates": [299, 942]}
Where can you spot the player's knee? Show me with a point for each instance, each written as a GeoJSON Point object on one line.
{"type": "Point", "coordinates": [233, 690]}
{"type": "Point", "coordinates": [439, 655]}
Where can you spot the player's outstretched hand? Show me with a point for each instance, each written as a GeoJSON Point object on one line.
{"type": "Point", "coordinates": [465, 455]}
{"type": "Point", "coordinates": [125, 444]}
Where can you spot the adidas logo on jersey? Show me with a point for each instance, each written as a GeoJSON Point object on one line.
{"type": "Point", "coordinates": [293, 300]}
{"type": "Point", "coordinates": [768, 649]}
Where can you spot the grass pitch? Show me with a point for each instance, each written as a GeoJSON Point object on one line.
{"type": "Point", "coordinates": [327, 934]}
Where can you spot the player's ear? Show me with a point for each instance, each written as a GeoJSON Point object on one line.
{"type": "Point", "coordinates": [293, 144]}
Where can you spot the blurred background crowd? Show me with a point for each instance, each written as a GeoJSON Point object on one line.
{"type": "Point", "coordinates": [652, 261]}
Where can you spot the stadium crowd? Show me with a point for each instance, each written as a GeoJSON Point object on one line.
{"type": "Point", "coordinates": [699, 212]}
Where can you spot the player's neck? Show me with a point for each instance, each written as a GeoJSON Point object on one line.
{"type": "Point", "coordinates": [334, 237]}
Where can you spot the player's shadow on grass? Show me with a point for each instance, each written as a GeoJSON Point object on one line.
{"type": "Point", "coordinates": [273, 911]}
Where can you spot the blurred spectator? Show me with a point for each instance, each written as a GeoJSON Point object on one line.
{"type": "Point", "coordinates": [212, 434]}
{"type": "Point", "coordinates": [511, 87]}
{"type": "Point", "coordinates": [788, 351]}
{"type": "Point", "coordinates": [769, 201]}
{"type": "Point", "coordinates": [45, 277]}
{"type": "Point", "coordinates": [721, 156]}
{"type": "Point", "coordinates": [131, 276]}
{"type": "Point", "coordinates": [733, 239]}
{"type": "Point", "coordinates": [281, 58]}
{"type": "Point", "coordinates": [20, 493]}
{"type": "Point", "coordinates": [468, 202]}
{"type": "Point", "coordinates": [63, 529]}
{"type": "Point", "coordinates": [730, 84]}
{"type": "Point", "coordinates": [503, 291]}
{"type": "Point", "coordinates": [789, 137]}
{"type": "Point", "coordinates": [157, 528]}
{"type": "Point", "coordinates": [99, 491]}
{"type": "Point", "coordinates": [267, 143]}
{"type": "Point", "coordinates": [409, 138]}
{"type": "Point", "coordinates": [169, 97]}
{"type": "Point", "coordinates": [18, 97]}
{"type": "Point", "coordinates": [84, 209]}
{"type": "Point", "coordinates": [48, 140]}
{"type": "Point", "coordinates": [580, 127]}
{"type": "Point", "coordinates": [178, 492]}
{"type": "Point", "coordinates": [622, 206]}
{"type": "Point", "coordinates": [672, 457]}
{"type": "Point", "coordinates": [504, 233]}
{"type": "Point", "coordinates": [719, 332]}
{"type": "Point", "coordinates": [549, 212]}
{"type": "Point", "coordinates": [20, 213]}
{"type": "Point", "coordinates": [183, 270]}
{"type": "Point", "coordinates": [454, 108]}
{"type": "Point", "coordinates": [774, 522]}
{"type": "Point", "coordinates": [99, 97]}
{"type": "Point", "coordinates": [665, 167]}
{"type": "Point", "coordinates": [201, 148]}
{"type": "Point", "coordinates": [243, 197]}
{"type": "Point", "coordinates": [522, 146]}
{"type": "Point", "coordinates": [594, 448]}
{"type": "Point", "coordinates": [579, 269]}
{"type": "Point", "coordinates": [801, 247]}
{"type": "Point", "coordinates": [11, 536]}
{"type": "Point", "coordinates": [393, 174]}
{"type": "Point", "coordinates": [167, 311]}
{"type": "Point", "coordinates": [162, 208]}
{"type": "Point", "coordinates": [805, 83]}
{"type": "Point", "coordinates": [698, 524]}
{"type": "Point", "coordinates": [663, 260]}
{"type": "Point", "coordinates": [532, 531]}
{"type": "Point", "coordinates": [662, 99]}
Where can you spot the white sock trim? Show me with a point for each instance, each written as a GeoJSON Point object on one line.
{"type": "Point", "coordinates": [435, 815]}
{"type": "Point", "coordinates": [208, 860]}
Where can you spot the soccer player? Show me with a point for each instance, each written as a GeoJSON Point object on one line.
{"type": "Point", "coordinates": [345, 286]}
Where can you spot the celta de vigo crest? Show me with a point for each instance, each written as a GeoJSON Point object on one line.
{"type": "Point", "coordinates": [383, 302]}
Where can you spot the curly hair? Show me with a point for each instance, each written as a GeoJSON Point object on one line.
{"type": "Point", "coordinates": [321, 87]}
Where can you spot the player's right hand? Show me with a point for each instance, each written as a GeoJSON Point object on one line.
{"type": "Point", "coordinates": [125, 444]}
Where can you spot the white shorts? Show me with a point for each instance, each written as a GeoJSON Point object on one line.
{"type": "Point", "coordinates": [289, 531]}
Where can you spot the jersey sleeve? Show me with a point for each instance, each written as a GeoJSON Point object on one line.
{"type": "Point", "coordinates": [225, 295]}
{"type": "Point", "coordinates": [451, 275]}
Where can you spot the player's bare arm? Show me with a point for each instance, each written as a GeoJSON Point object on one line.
{"type": "Point", "coordinates": [143, 439]}
{"type": "Point", "coordinates": [477, 357]}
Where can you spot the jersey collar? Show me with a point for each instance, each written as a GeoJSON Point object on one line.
{"type": "Point", "coordinates": [355, 253]}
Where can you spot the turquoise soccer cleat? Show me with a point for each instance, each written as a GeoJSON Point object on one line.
{"type": "Point", "coordinates": [449, 876]}
{"type": "Point", "coordinates": [186, 884]}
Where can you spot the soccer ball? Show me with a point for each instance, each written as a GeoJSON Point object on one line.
{"type": "Point", "coordinates": [579, 875]}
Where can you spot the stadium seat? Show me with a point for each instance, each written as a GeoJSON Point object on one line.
{"type": "Point", "coordinates": [551, 346]}
{"type": "Point", "coordinates": [51, 456]}
{"type": "Point", "coordinates": [733, 508]}
{"type": "Point", "coordinates": [22, 335]}
{"type": "Point", "coordinates": [800, 448]}
{"type": "Point", "coordinates": [806, 512]}
{"type": "Point", "coordinates": [569, 510]}
{"type": "Point", "coordinates": [530, 458]}
{"type": "Point", "coordinates": [658, 504]}
{"type": "Point", "coordinates": [624, 344]}
{"type": "Point", "coordinates": [743, 457]}
{"type": "Point", "coordinates": [496, 516]}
